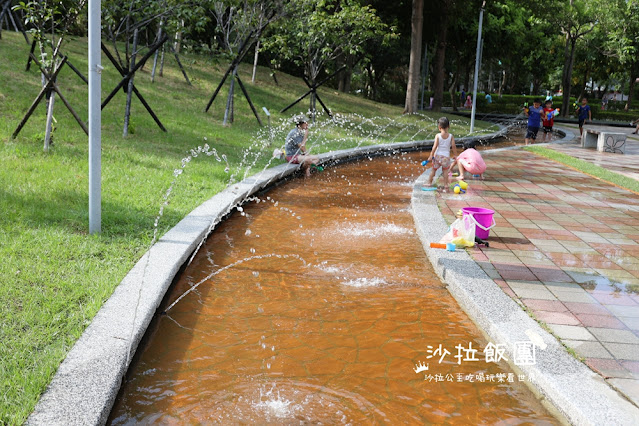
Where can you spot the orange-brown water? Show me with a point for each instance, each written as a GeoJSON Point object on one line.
{"type": "Point", "coordinates": [332, 338]}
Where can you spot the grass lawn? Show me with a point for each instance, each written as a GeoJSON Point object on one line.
{"type": "Point", "coordinates": [54, 276]}
{"type": "Point", "coordinates": [587, 167]}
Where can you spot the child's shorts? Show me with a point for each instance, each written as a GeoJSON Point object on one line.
{"type": "Point", "coordinates": [581, 122]}
{"type": "Point", "coordinates": [442, 161]}
{"type": "Point", "coordinates": [547, 129]}
{"type": "Point", "coordinates": [531, 132]}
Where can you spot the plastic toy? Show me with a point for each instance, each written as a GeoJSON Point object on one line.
{"type": "Point", "coordinates": [463, 185]}
{"type": "Point", "coordinates": [425, 163]}
{"type": "Point", "coordinates": [438, 245]}
{"type": "Point", "coordinates": [429, 188]}
{"type": "Point", "coordinates": [458, 190]}
{"type": "Point", "coordinates": [318, 168]}
{"type": "Point", "coordinates": [450, 246]}
{"type": "Point", "coordinates": [480, 241]}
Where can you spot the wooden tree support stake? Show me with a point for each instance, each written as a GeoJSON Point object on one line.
{"type": "Point", "coordinates": [17, 24]}
{"type": "Point", "coordinates": [49, 86]}
{"type": "Point", "coordinates": [75, 70]}
{"type": "Point", "coordinates": [127, 75]}
{"type": "Point", "coordinates": [313, 90]}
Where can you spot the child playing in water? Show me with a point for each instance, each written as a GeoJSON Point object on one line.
{"type": "Point", "coordinates": [440, 154]}
{"type": "Point", "coordinates": [470, 161]}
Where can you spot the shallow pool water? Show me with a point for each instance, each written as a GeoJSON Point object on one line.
{"type": "Point", "coordinates": [329, 309]}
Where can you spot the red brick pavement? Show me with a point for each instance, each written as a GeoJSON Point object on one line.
{"type": "Point", "coordinates": [566, 246]}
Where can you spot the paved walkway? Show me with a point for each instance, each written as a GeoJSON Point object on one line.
{"type": "Point", "coordinates": [625, 164]}
{"type": "Point", "coordinates": [566, 247]}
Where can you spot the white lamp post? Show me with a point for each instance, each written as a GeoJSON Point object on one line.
{"type": "Point", "coordinates": [95, 118]}
{"type": "Point", "coordinates": [477, 61]}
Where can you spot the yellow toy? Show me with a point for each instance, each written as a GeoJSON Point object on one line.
{"type": "Point", "coordinates": [456, 189]}
{"type": "Point", "coordinates": [463, 185]}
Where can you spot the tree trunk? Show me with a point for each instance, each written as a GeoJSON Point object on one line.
{"type": "Point", "coordinates": [228, 112]}
{"type": "Point", "coordinates": [452, 89]}
{"type": "Point", "coordinates": [412, 89]}
{"type": "Point", "coordinates": [453, 92]}
{"type": "Point", "coordinates": [502, 85]}
{"type": "Point", "coordinates": [162, 61]}
{"type": "Point", "coordinates": [569, 55]}
{"type": "Point", "coordinates": [157, 52]}
{"type": "Point", "coordinates": [178, 38]}
{"type": "Point", "coordinates": [49, 128]}
{"type": "Point", "coordinates": [634, 74]}
{"type": "Point", "coordinates": [372, 82]}
{"type": "Point", "coordinates": [257, 54]}
{"type": "Point", "coordinates": [490, 79]}
{"type": "Point", "coordinates": [346, 76]}
{"type": "Point", "coordinates": [440, 58]}
{"type": "Point", "coordinates": [582, 92]}
{"type": "Point", "coordinates": [129, 92]}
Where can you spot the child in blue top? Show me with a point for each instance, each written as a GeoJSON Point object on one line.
{"type": "Point", "coordinates": [535, 114]}
{"type": "Point", "coordinates": [584, 113]}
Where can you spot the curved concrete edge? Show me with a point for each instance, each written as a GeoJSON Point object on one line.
{"type": "Point", "coordinates": [572, 389]}
{"type": "Point", "coordinates": [85, 386]}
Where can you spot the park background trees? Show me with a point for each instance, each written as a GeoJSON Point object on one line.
{"type": "Point", "coordinates": [396, 52]}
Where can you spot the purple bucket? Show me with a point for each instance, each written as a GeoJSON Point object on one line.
{"type": "Point", "coordinates": [482, 218]}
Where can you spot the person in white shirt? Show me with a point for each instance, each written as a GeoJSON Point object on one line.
{"type": "Point", "coordinates": [440, 154]}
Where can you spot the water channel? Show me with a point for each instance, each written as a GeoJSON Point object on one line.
{"type": "Point", "coordinates": [330, 306]}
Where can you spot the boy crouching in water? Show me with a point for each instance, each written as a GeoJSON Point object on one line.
{"type": "Point", "coordinates": [440, 154]}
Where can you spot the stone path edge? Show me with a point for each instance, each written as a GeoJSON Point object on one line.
{"type": "Point", "coordinates": [572, 389]}
{"type": "Point", "coordinates": [84, 387]}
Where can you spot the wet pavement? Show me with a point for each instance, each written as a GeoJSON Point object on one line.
{"type": "Point", "coordinates": [627, 165]}
{"type": "Point", "coordinates": [566, 246]}
{"type": "Point", "coordinates": [317, 305]}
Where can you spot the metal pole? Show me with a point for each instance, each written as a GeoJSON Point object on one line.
{"type": "Point", "coordinates": [95, 118]}
{"type": "Point", "coordinates": [477, 61]}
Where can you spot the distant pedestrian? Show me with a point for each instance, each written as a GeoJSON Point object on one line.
{"type": "Point", "coordinates": [583, 113]}
{"type": "Point", "coordinates": [469, 102]}
{"type": "Point", "coordinates": [549, 119]}
{"type": "Point", "coordinates": [637, 123]}
{"type": "Point", "coordinates": [489, 98]}
{"type": "Point", "coordinates": [535, 114]}
{"type": "Point", "coordinates": [463, 96]}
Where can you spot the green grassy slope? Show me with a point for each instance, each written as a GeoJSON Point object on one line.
{"type": "Point", "coordinates": [53, 275]}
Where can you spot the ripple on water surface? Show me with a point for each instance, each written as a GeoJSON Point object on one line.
{"type": "Point", "coordinates": [330, 335]}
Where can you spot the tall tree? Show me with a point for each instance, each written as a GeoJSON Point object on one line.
{"type": "Point", "coordinates": [440, 55]}
{"type": "Point", "coordinates": [317, 32]}
{"type": "Point", "coordinates": [621, 20]}
{"type": "Point", "coordinates": [412, 89]}
{"type": "Point", "coordinates": [575, 18]}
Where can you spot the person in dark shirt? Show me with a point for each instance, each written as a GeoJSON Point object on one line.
{"type": "Point", "coordinates": [535, 114]}
{"type": "Point", "coordinates": [295, 146]}
{"type": "Point", "coordinates": [584, 113]}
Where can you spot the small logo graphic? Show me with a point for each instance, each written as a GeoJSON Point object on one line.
{"type": "Point", "coordinates": [420, 366]}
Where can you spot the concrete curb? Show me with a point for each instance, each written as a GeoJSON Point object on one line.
{"type": "Point", "coordinates": [573, 390]}
{"type": "Point", "coordinates": [87, 382]}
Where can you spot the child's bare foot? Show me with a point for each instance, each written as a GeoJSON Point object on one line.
{"type": "Point", "coordinates": [445, 189]}
{"type": "Point", "coordinates": [429, 182]}
{"type": "Point", "coordinates": [460, 178]}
